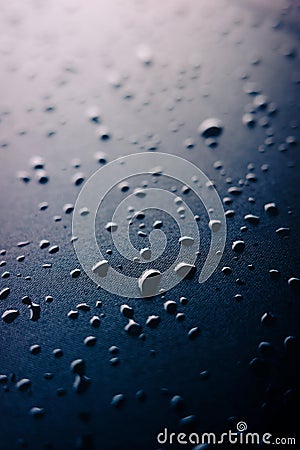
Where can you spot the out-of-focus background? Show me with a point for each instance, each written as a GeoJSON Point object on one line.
{"type": "Point", "coordinates": [120, 77]}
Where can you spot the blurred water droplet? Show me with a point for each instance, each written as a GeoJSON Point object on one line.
{"type": "Point", "coordinates": [210, 127]}
{"type": "Point", "coordinates": [118, 400]}
{"type": "Point", "coordinates": [194, 332]}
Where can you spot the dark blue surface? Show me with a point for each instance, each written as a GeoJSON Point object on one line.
{"type": "Point", "coordinates": [60, 55]}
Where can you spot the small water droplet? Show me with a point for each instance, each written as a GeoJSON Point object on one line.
{"type": "Point", "coordinates": [118, 400]}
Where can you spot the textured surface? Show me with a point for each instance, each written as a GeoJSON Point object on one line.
{"type": "Point", "coordinates": [57, 61]}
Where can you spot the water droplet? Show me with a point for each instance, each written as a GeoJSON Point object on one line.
{"type": "Point", "coordinates": [23, 385]}
{"type": "Point", "coordinates": [115, 361]}
{"type": "Point", "coordinates": [238, 246]}
{"type": "Point", "coordinates": [5, 275]}
{"type": "Point", "coordinates": [187, 241]}
{"type": "Point", "coordinates": [84, 211]}
{"type": "Point", "coordinates": [180, 317]}
{"type": "Point", "coordinates": [214, 225]}
{"type": "Point", "coordinates": [210, 127]}
{"type": "Point", "coordinates": [170, 306]}
{"type": "Point", "coordinates": [53, 249]}
{"type": "Point", "coordinates": [37, 162]}
{"type": "Point", "coordinates": [57, 353]}
{"type": "Point", "coordinates": [10, 315]}
{"type": "Point", "coordinates": [254, 220]}
{"type": "Point", "coordinates": [68, 208]}
{"type": "Point", "coordinates": [290, 343]}
{"type": "Point", "coordinates": [90, 341]}
{"type": "Point", "coordinates": [35, 349]}
{"type": "Point", "coordinates": [294, 283]}
{"type": "Point", "coordinates": [101, 268]}
{"type": "Point", "coordinates": [133, 327]}
{"type": "Point", "coordinates": [42, 176]}
{"type": "Point", "coordinates": [234, 190]}
{"type": "Point", "coordinates": [3, 379]}
{"type": "Point", "coordinates": [182, 269]}
{"type": "Point", "coordinates": [73, 314]}
{"type": "Point", "coordinates": [271, 208]}
{"type": "Point", "coordinates": [114, 350]}
{"type": "Point", "coordinates": [36, 412]}
{"type": "Point", "coordinates": [227, 270]}
{"type": "Point", "coordinates": [111, 227]}
{"type": "Point", "coordinates": [144, 54]}
{"type": "Point", "coordinates": [274, 274]}
{"type": "Point", "coordinates": [35, 311]}
{"type": "Point", "coordinates": [145, 253]}
{"type": "Point", "coordinates": [44, 243]}
{"type": "Point", "coordinates": [118, 400]}
{"type": "Point", "coordinates": [93, 114]}
{"type": "Point", "coordinates": [43, 206]}
{"type": "Point", "coordinates": [177, 402]}
{"type": "Point", "coordinates": [23, 176]}
{"type": "Point", "coordinates": [249, 120]}
{"type": "Point", "coordinates": [140, 394]}
{"type": "Point", "coordinates": [81, 384]}
{"type": "Point", "coordinates": [78, 178]}
{"type": "Point", "coordinates": [148, 282]}
{"type": "Point", "coordinates": [78, 366]}
{"type": "Point", "coordinates": [258, 366]}
{"type": "Point", "coordinates": [251, 88]}
{"type": "Point", "coordinates": [95, 321]}
{"type": "Point", "coordinates": [60, 392]}
{"type": "Point", "coordinates": [260, 101]}
{"type": "Point", "coordinates": [267, 318]}
{"type": "Point", "coordinates": [265, 348]}
{"type": "Point", "coordinates": [23, 243]}
{"type": "Point", "coordinates": [189, 143]}
{"type": "Point", "coordinates": [101, 157]}
{"type": "Point", "coordinates": [153, 321]}
{"type": "Point", "coordinates": [127, 311]}
{"type": "Point", "coordinates": [83, 307]}
{"type": "Point", "coordinates": [157, 224]}
{"type": "Point", "coordinates": [183, 301]}
{"type": "Point", "coordinates": [204, 374]}
{"type": "Point", "coordinates": [188, 421]}
{"type": "Point", "coordinates": [103, 133]}
{"type": "Point", "coordinates": [75, 273]}
{"type": "Point", "coordinates": [4, 293]}
{"type": "Point", "coordinates": [194, 332]}
{"type": "Point", "coordinates": [283, 231]}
